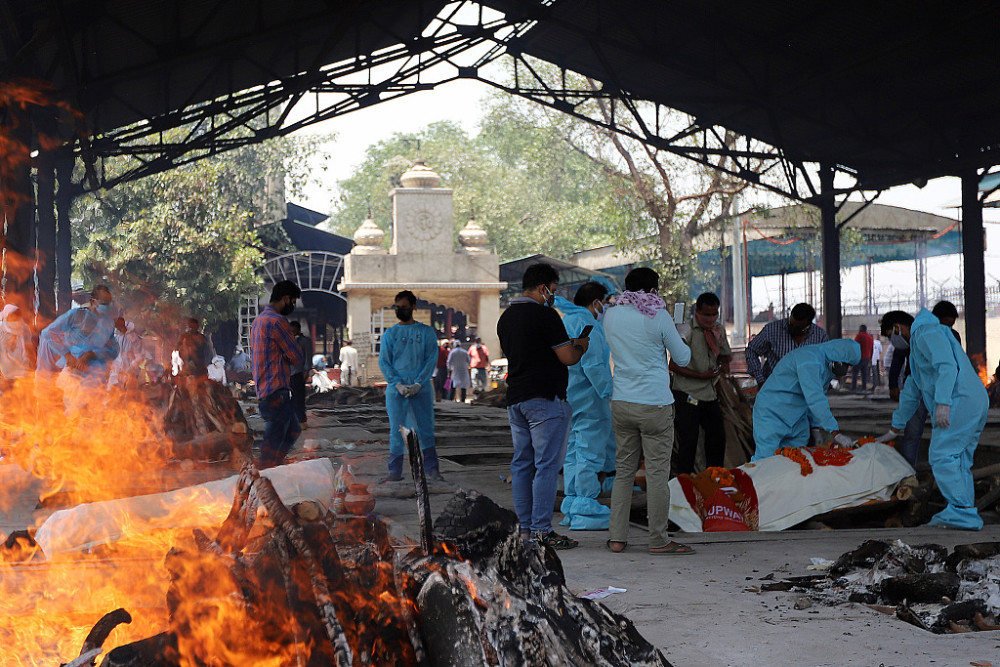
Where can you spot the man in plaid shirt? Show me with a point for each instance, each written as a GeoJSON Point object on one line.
{"type": "Point", "coordinates": [780, 337]}
{"type": "Point", "coordinates": [275, 351]}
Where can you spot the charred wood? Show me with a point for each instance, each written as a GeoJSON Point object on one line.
{"type": "Point", "coordinates": [927, 587]}
{"type": "Point", "coordinates": [156, 651]}
{"type": "Point", "coordinates": [420, 484]}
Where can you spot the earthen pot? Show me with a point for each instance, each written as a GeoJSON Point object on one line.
{"type": "Point", "coordinates": [359, 501]}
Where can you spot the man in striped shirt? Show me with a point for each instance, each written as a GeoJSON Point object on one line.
{"type": "Point", "coordinates": [780, 337]}
{"type": "Point", "coordinates": [274, 352]}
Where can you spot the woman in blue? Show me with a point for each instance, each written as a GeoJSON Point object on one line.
{"type": "Point", "coordinates": [942, 376]}
{"type": "Point", "coordinates": [793, 400]}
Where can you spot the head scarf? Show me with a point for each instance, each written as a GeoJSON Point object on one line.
{"type": "Point", "coordinates": [647, 304]}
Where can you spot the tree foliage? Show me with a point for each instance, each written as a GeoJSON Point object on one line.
{"type": "Point", "coordinates": [544, 181]}
{"type": "Point", "coordinates": [190, 239]}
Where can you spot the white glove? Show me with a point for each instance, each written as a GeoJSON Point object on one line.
{"type": "Point", "coordinates": [942, 415]}
{"type": "Point", "coordinates": [843, 440]}
{"type": "Point", "coordinates": [888, 436]}
{"type": "Point", "coordinates": [413, 389]}
{"type": "Point", "coordinates": [817, 437]}
{"type": "Point", "coordinates": [402, 389]}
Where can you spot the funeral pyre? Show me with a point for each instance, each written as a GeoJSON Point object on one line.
{"type": "Point", "coordinates": [924, 585]}
{"type": "Point", "coordinates": [303, 586]}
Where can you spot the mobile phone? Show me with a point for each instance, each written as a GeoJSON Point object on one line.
{"type": "Point", "coordinates": [586, 331]}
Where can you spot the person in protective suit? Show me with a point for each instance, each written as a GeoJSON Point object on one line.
{"type": "Point", "coordinates": [942, 376]}
{"type": "Point", "coordinates": [591, 439]}
{"type": "Point", "coordinates": [407, 358]}
{"type": "Point", "coordinates": [81, 339]}
{"type": "Point", "coordinates": [793, 402]}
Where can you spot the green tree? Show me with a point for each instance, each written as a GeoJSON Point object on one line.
{"type": "Point", "coordinates": [190, 239]}
{"type": "Point", "coordinates": [530, 192]}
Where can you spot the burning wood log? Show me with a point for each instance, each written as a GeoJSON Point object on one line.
{"type": "Point", "coordinates": [482, 596]}
{"type": "Point", "coordinates": [926, 587]}
{"type": "Point", "coordinates": [420, 483]}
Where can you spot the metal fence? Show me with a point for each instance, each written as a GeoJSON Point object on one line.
{"type": "Point", "coordinates": [911, 304]}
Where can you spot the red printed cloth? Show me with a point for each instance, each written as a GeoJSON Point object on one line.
{"type": "Point", "coordinates": [725, 510]}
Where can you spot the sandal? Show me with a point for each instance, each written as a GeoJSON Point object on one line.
{"type": "Point", "coordinates": [672, 549]}
{"type": "Point", "coordinates": [556, 541]}
{"type": "Point", "coordinates": [623, 547]}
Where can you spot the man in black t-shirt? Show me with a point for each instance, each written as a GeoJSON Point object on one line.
{"type": "Point", "coordinates": [538, 351]}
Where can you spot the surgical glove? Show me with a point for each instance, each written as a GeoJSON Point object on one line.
{"type": "Point", "coordinates": [414, 389]}
{"type": "Point", "coordinates": [843, 440]}
{"type": "Point", "coordinates": [402, 389]}
{"type": "Point", "coordinates": [942, 416]}
{"type": "Point", "coordinates": [817, 437]}
{"type": "Point", "coordinates": [888, 436]}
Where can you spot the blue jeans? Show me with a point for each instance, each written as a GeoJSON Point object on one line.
{"type": "Point", "coordinates": [909, 446]}
{"type": "Point", "coordinates": [281, 428]}
{"type": "Point", "coordinates": [539, 428]}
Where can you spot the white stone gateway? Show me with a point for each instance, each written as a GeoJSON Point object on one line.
{"type": "Point", "coordinates": [423, 258]}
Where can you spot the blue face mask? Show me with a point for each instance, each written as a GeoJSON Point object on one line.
{"type": "Point", "coordinates": [103, 309]}
{"type": "Point", "coordinates": [600, 314]}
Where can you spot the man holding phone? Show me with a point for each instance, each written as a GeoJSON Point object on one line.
{"type": "Point", "coordinates": [591, 447]}
{"type": "Point", "coordinates": [538, 350]}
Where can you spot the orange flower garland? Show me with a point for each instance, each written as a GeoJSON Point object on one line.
{"type": "Point", "coordinates": [799, 456]}
{"type": "Point", "coordinates": [721, 476]}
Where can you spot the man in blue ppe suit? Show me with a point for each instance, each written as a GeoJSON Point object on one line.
{"type": "Point", "coordinates": [407, 357]}
{"type": "Point", "coordinates": [793, 401]}
{"type": "Point", "coordinates": [943, 378]}
{"type": "Point", "coordinates": [589, 395]}
{"type": "Point", "coordinates": [81, 339]}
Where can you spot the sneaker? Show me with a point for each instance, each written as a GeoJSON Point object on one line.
{"type": "Point", "coordinates": [434, 476]}
{"type": "Point", "coordinates": [391, 478]}
{"type": "Point", "coordinates": [555, 540]}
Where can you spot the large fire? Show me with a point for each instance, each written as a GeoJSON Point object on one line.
{"type": "Point", "coordinates": [106, 445]}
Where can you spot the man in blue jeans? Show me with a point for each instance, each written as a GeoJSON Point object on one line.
{"type": "Point", "coordinates": [274, 353]}
{"type": "Point", "coordinates": [538, 351]}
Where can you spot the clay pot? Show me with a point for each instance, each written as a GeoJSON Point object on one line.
{"type": "Point", "coordinates": [358, 500]}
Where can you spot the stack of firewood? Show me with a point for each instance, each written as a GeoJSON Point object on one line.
{"type": "Point", "coordinates": [198, 418]}
{"type": "Point", "coordinates": [303, 586]}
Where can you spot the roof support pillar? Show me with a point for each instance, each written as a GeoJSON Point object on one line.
{"type": "Point", "coordinates": [64, 243]}
{"type": "Point", "coordinates": [831, 253]}
{"type": "Point", "coordinates": [45, 250]}
{"type": "Point", "coordinates": [17, 200]}
{"type": "Point", "coordinates": [973, 247]}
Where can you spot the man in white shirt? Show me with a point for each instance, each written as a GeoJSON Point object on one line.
{"type": "Point", "coordinates": [877, 362]}
{"type": "Point", "coordinates": [348, 365]}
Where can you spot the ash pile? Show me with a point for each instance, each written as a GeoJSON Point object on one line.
{"type": "Point", "coordinates": [304, 586]}
{"type": "Point", "coordinates": [924, 585]}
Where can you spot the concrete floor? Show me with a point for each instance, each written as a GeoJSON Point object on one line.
{"type": "Point", "coordinates": [701, 609]}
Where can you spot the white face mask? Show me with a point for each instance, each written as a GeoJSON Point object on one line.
{"type": "Point", "coordinates": [600, 314]}
{"type": "Point", "coordinates": [898, 341]}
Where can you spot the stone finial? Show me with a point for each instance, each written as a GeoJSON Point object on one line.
{"type": "Point", "coordinates": [369, 238]}
{"type": "Point", "coordinates": [473, 238]}
{"type": "Point", "coordinates": [420, 176]}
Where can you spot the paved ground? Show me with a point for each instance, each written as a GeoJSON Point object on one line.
{"type": "Point", "coordinates": [701, 609]}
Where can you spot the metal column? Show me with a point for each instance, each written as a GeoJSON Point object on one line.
{"type": "Point", "coordinates": [45, 250]}
{"type": "Point", "coordinates": [973, 247]}
{"type": "Point", "coordinates": [64, 242]}
{"type": "Point", "coordinates": [831, 253]}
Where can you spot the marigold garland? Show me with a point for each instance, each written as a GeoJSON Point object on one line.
{"type": "Point", "coordinates": [721, 476]}
{"type": "Point", "coordinates": [796, 454]}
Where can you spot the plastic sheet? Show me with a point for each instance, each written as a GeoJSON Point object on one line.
{"type": "Point", "coordinates": [204, 505]}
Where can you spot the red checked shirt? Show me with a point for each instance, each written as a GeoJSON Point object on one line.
{"type": "Point", "coordinates": [274, 352]}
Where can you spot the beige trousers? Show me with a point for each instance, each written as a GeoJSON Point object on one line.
{"type": "Point", "coordinates": [647, 430]}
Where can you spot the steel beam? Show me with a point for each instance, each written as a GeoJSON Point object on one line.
{"type": "Point", "coordinates": [973, 247]}
{"type": "Point", "coordinates": [831, 252]}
